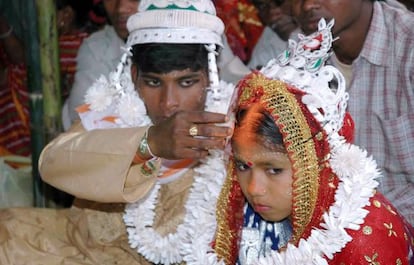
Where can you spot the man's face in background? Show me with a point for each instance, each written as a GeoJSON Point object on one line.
{"type": "Point", "coordinates": [118, 12]}
{"type": "Point", "coordinates": [276, 14]}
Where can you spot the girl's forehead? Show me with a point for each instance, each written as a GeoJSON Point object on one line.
{"type": "Point", "coordinates": [251, 150]}
{"type": "Point", "coordinates": [245, 139]}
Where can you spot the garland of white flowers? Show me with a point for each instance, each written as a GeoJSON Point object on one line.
{"type": "Point", "coordinates": [116, 96]}
{"type": "Point", "coordinates": [192, 240]}
{"type": "Point", "coordinates": [357, 173]}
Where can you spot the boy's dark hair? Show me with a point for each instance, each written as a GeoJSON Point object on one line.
{"type": "Point", "coordinates": [165, 57]}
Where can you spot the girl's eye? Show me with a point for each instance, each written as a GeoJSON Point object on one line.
{"type": "Point", "coordinates": [274, 171]}
{"type": "Point", "coordinates": [240, 166]}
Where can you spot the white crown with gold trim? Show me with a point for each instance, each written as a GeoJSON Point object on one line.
{"type": "Point", "coordinates": [175, 21]}
{"type": "Point", "coordinates": [303, 66]}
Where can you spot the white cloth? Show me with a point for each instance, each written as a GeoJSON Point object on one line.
{"type": "Point", "coordinates": [231, 68]}
{"type": "Point", "coordinates": [269, 46]}
{"type": "Point", "coordinates": [98, 55]}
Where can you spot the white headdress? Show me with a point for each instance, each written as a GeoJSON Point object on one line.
{"type": "Point", "coordinates": [162, 21]}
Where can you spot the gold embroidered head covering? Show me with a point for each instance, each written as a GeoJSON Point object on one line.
{"type": "Point", "coordinates": [307, 100]}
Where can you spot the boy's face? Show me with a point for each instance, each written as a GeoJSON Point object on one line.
{"type": "Point", "coordinates": [166, 94]}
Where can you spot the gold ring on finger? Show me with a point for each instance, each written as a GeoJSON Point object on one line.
{"type": "Point", "coordinates": [193, 131]}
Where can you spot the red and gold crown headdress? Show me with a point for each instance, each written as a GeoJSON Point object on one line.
{"type": "Point", "coordinates": [332, 179]}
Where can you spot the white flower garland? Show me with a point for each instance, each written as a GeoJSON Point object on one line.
{"type": "Point", "coordinates": [192, 241]}
{"type": "Point", "coordinates": [116, 96]}
{"type": "Point", "coordinates": [357, 173]}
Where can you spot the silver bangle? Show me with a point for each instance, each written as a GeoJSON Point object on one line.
{"type": "Point", "coordinates": [143, 145]}
{"type": "Point", "coordinates": [6, 34]}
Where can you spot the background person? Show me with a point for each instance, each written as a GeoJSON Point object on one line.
{"type": "Point", "coordinates": [99, 54]}
{"type": "Point", "coordinates": [279, 25]}
{"type": "Point", "coordinates": [73, 27]}
{"type": "Point", "coordinates": [123, 159]}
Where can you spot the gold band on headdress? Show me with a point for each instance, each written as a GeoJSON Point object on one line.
{"type": "Point", "coordinates": [276, 97]}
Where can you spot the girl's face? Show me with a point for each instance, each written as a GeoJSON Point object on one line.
{"type": "Point", "coordinates": [265, 177]}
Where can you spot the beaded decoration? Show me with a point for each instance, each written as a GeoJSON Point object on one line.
{"type": "Point", "coordinates": [303, 66]}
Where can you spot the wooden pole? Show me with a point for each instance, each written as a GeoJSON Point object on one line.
{"type": "Point", "coordinates": [51, 84]}
{"type": "Point", "coordinates": [50, 67]}
{"type": "Point", "coordinates": [34, 79]}
{"type": "Point", "coordinates": [44, 85]}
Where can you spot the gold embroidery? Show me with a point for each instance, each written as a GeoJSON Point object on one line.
{"type": "Point", "coordinates": [367, 230]}
{"type": "Point", "coordinates": [390, 231]}
{"type": "Point", "coordinates": [372, 260]}
{"type": "Point", "coordinates": [319, 136]}
{"type": "Point", "coordinates": [377, 203]}
{"type": "Point", "coordinates": [276, 98]}
{"type": "Point", "coordinates": [388, 207]}
{"type": "Point", "coordinates": [224, 235]}
{"type": "Point", "coordinates": [248, 15]}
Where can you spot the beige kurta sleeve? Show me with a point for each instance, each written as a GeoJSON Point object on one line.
{"type": "Point", "coordinates": [97, 165]}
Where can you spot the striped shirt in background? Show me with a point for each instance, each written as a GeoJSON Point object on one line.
{"type": "Point", "coordinates": [14, 95]}
{"type": "Point", "coordinates": [14, 110]}
{"type": "Point", "coordinates": [68, 48]}
{"type": "Point", "coordinates": [382, 102]}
